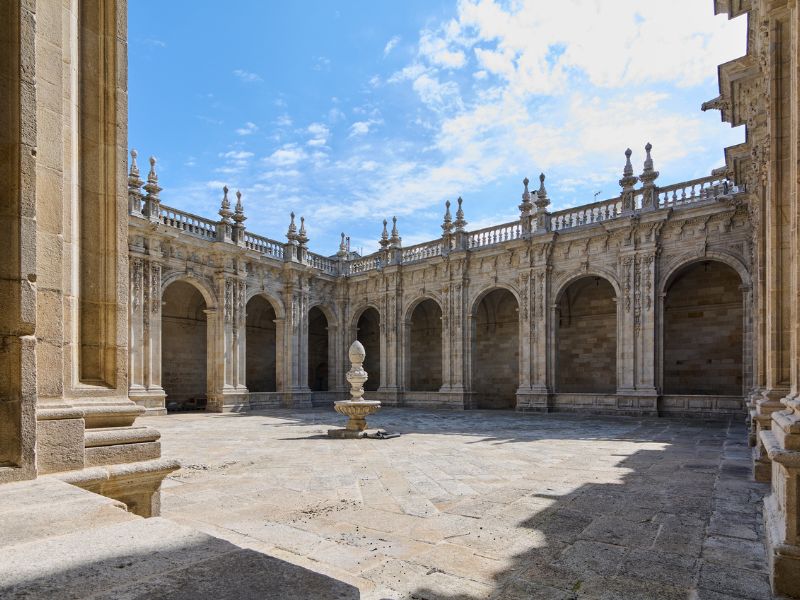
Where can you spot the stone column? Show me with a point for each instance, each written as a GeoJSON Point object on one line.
{"type": "Point", "coordinates": [525, 321]}
{"type": "Point", "coordinates": [542, 340]}
{"type": "Point", "coordinates": [225, 346]}
{"type": "Point", "coordinates": [297, 393]}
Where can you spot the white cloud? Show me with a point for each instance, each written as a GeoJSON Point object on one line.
{"type": "Point", "coordinates": [390, 45]}
{"type": "Point", "coordinates": [287, 155]}
{"type": "Point", "coordinates": [236, 154]}
{"type": "Point", "coordinates": [322, 63]}
{"type": "Point", "coordinates": [362, 127]}
{"type": "Point", "coordinates": [248, 128]}
{"type": "Point", "coordinates": [438, 50]}
{"type": "Point", "coordinates": [247, 76]}
{"type": "Point", "coordinates": [319, 134]}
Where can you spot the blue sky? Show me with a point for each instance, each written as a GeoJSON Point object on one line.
{"type": "Point", "coordinates": [349, 113]}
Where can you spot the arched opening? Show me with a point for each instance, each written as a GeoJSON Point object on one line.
{"type": "Point", "coordinates": [317, 350]}
{"type": "Point", "coordinates": [184, 363]}
{"type": "Point", "coordinates": [260, 370]}
{"type": "Point", "coordinates": [368, 332]}
{"type": "Point", "coordinates": [425, 347]}
{"type": "Point", "coordinates": [495, 350]}
{"type": "Point", "coordinates": [586, 344]}
{"type": "Point", "coordinates": [703, 331]}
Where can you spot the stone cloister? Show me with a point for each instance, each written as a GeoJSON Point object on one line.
{"type": "Point", "coordinates": [635, 305]}
{"type": "Point", "coordinates": [675, 305]}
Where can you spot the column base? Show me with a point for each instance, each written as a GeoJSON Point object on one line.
{"type": "Point", "coordinates": [534, 399]}
{"type": "Point", "coordinates": [229, 401]}
{"type": "Point", "coordinates": [297, 399]}
{"type": "Point", "coordinates": [153, 400]}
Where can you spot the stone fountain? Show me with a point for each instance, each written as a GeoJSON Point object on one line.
{"type": "Point", "coordinates": [356, 408]}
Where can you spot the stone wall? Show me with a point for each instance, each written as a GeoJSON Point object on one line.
{"type": "Point", "coordinates": [703, 318]}
{"type": "Point", "coordinates": [425, 347]}
{"type": "Point", "coordinates": [587, 338]}
{"type": "Point", "coordinates": [318, 349]}
{"type": "Point", "coordinates": [184, 347]}
{"type": "Point", "coordinates": [369, 334]}
{"type": "Point", "coordinates": [495, 366]}
{"type": "Point", "coordinates": [261, 346]}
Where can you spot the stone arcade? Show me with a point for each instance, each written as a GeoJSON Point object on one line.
{"type": "Point", "coordinates": [674, 300]}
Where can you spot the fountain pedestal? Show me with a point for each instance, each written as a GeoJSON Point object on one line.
{"type": "Point", "coordinates": [356, 409]}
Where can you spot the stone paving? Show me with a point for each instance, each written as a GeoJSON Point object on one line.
{"type": "Point", "coordinates": [480, 504]}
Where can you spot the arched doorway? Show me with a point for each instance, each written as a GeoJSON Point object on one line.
{"type": "Point", "coordinates": [260, 371]}
{"type": "Point", "coordinates": [495, 350]}
{"type": "Point", "coordinates": [318, 348]}
{"type": "Point", "coordinates": [586, 339]}
{"type": "Point", "coordinates": [703, 331]}
{"type": "Point", "coordinates": [184, 362]}
{"type": "Point", "coordinates": [424, 347]}
{"type": "Point", "coordinates": [368, 332]}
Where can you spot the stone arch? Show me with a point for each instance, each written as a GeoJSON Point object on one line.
{"type": "Point", "coordinates": [321, 345]}
{"type": "Point", "coordinates": [367, 330]}
{"type": "Point", "coordinates": [703, 327]}
{"type": "Point", "coordinates": [563, 282]}
{"type": "Point", "coordinates": [585, 327]}
{"type": "Point", "coordinates": [186, 341]}
{"type": "Point", "coordinates": [494, 348]}
{"type": "Point", "coordinates": [422, 335]}
{"type": "Point", "coordinates": [203, 285]}
{"type": "Point", "coordinates": [679, 263]}
{"type": "Point", "coordinates": [263, 337]}
{"type": "Point", "coordinates": [275, 301]}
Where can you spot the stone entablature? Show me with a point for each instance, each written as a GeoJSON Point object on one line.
{"type": "Point", "coordinates": [636, 242]}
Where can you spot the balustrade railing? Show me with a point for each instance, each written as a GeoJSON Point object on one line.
{"type": "Point", "coordinates": [365, 263]}
{"type": "Point", "coordinates": [496, 234]}
{"type": "Point", "coordinates": [670, 196]}
{"type": "Point", "coordinates": [263, 245]}
{"type": "Point", "coordinates": [586, 214]}
{"type": "Point", "coordinates": [323, 263]}
{"type": "Point", "coordinates": [696, 190]}
{"type": "Point", "coordinates": [421, 251]}
{"type": "Point", "coordinates": [187, 222]}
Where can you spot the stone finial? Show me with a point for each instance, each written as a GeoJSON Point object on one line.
{"type": "Point", "coordinates": [384, 241]}
{"type": "Point", "coordinates": [291, 233]}
{"type": "Point", "coordinates": [151, 187]}
{"type": "Point", "coordinates": [649, 174]}
{"type": "Point", "coordinates": [628, 178]}
{"type": "Point", "coordinates": [225, 206]}
{"type": "Point", "coordinates": [460, 223]}
{"type": "Point", "coordinates": [134, 187]}
{"type": "Point", "coordinates": [238, 215]}
{"type": "Point", "coordinates": [395, 238]}
{"type": "Point", "coordinates": [526, 206]}
{"type": "Point", "coordinates": [301, 236]}
{"type": "Point", "coordinates": [342, 247]}
{"type": "Point", "coordinates": [356, 353]}
{"type": "Point", "coordinates": [134, 181]}
{"type": "Point", "coordinates": [542, 201]}
{"type": "Point", "coordinates": [447, 224]}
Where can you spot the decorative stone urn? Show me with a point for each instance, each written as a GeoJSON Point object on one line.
{"type": "Point", "coordinates": [356, 408]}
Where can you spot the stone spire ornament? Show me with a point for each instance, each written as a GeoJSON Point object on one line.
{"type": "Point", "coordinates": [239, 219]}
{"type": "Point", "coordinates": [526, 205]}
{"type": "Point", "coordinates": [301, 235]}
{"type": "Point", "coordinates": [152, 202]}
{"type": "Point", "coordinates": [447, 224]}
{"type": "Point", "coordinates": [342, 247]}
{"type": "Point", "coordinates": [225, 206]}
{"type": "Point", "coordinates": [384, 241]}
{"type": "Point", "coordinates": [628, 182]}
{"type": "Point", "coordinates": [356, 408]}
{"type": "Point", "coordinates": [395, 240]}
{"type": "Point", "coordinates": [460, 223]}
{"type": "Point", "coordinates": [291, 233]}
{"type": "Point", "coordinates": [648, 178]}
{"type": "Point", "coordinates": [134, 186]}
{"type": "Point", "coordinates": [542, 201]}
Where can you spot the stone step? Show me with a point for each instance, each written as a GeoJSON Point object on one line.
{"type": "Point", "coordinates": [59, 541]}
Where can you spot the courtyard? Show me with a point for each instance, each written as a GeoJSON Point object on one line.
{"type": "Point", "coordinates": [479, 504]}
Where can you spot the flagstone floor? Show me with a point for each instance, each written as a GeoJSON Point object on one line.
{"type": "Point", "coordinates": [480, 504]}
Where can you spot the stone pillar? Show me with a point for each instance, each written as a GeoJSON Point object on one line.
{"type": "Point", "coordinates": [296, 392]}
{"type": "Point", "coordinates": [542, 335]}
{"type": "Point", "coordinates": [391, 325]}
{"type": "Point", "coordinates": [227, 392]}
{"type": "Point", "coordinates": [525, 320]}
{"type": "Point", "coordinates": [144, 385]}
{"type": "Point", "coordinates": [455, 328]}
